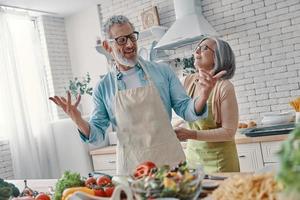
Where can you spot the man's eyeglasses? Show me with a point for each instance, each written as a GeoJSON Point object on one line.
{"type": "Point", "coordinates": [122, 40]}
{"type": "Point", "coordinates": [202, 48]}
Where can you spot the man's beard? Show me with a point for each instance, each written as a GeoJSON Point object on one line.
{"type": "Point", "coordinates": [124, 61]}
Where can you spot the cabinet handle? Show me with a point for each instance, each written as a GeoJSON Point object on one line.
{"type": "Point", "coordinates": [112, 161]}
{"type": "Point", "coordinates": [242, 156]}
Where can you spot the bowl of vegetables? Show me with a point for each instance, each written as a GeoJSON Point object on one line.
{"type": "Point", "coordinates": [167, 182]}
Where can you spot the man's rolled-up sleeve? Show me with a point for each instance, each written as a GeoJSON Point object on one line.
{"type": "Point", "coordinates": [193, 114]}
{"type": "Point", "coordinates": [99, 122]}
{"type": "Point", "coordinates": [183, 105]}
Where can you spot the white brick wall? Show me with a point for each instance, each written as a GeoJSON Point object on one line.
{"type": "Point", "coordinates": [6, 170]}
{"type": "Point", "coordinates": [56, 57]}
{"type": "Point", "coordinates": [271, 57]}
{"type": "Point", "coordinates": [265, 36]}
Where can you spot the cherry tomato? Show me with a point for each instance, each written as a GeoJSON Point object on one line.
{"type": "Point", "coordinates": [103, 180]}
{"type": "Point", "coordinates": [109, 191]}
{"type": "Point", "coordinates": [42, 196]}
{"type": "Point", "coordinates": [90, 182]}
{"type": "Point", "coordinates": [100, 192]}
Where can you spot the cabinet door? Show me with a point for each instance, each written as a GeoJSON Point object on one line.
{"type": "Point", "coordinates": [105, 162]}
{"type": "Point", "coordinates": [270, 150]}
{"type": "Point", "coordinates": [250, 157]}
{"type": "Point", "coordinates": [112, 172]}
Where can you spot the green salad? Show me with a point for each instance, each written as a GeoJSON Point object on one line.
{"type": "Point", "coordinates": [178, 182]}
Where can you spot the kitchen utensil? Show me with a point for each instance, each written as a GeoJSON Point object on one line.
{"type": "Point", "coordinates": [269, 130]}
{"type": "Point", "coordinates": [212, 177]}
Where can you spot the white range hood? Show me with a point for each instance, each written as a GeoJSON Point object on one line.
{"type": "Point", "coordinates": [190, 26]}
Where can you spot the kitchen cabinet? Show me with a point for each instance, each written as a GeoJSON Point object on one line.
{"type": "Point", "coordinates": [250, 157]}
{"type": "Point", "coordinates": [253, 156]}
{"type": "Point", "coordinates": [269, 151]}
{"type": "Point", "coordinates": [105, 161]}
{"type": "Point", "coordinates": [254, 153]}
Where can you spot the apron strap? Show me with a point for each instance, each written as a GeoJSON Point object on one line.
{"type": "Point", "coordinates": [142, 63]}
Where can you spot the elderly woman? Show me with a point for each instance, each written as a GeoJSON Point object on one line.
{"type": "Point", "coordinates": [211, 140]}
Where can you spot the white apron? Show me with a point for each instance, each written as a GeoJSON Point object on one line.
{"type": "Point", "coordinates": [144, 130]}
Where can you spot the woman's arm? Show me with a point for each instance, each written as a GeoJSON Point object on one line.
{"type": "Point", "coordinates": [229, 120]}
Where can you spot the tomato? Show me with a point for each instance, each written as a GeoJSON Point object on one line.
{"type": "Point", "coordinates": [109, 191]}
{"type": "Point", "coordinates": [100, 192]}
{"type": "Point", "coordinates": [90, 182]}
{"type": "Point", "coordinates": [103, 180]}
{"type": "Point", "coordinates": [144, 169]}
{"type": "Point", "coordinates": [42, 196]}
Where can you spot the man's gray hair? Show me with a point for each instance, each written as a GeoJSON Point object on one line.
{"type": "Point", "coordinates": [224, 57]}
{"type": "Point", "coordinates": [115, 19]}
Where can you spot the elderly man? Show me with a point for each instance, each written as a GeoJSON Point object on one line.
{"type": "Point", "coordinates": [137, 97]}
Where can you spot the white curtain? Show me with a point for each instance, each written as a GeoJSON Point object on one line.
{"type": "Point", "coordinates": [24, 118]}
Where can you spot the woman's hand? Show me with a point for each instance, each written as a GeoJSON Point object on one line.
{"type": "Point", "coordinates": [184, 134]}
{"type": "Point", "coordinates": [207, 82]}
{"type": "Point", "coordinates": [67, 106]}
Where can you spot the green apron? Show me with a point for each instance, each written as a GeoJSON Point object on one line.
{"type": "Point", "coordinates": [213, 156]}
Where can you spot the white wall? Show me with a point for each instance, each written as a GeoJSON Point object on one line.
{"type": "Point", "coordinates": [73, 154]}
{"type": "Point", "coordinates": [82, 30]}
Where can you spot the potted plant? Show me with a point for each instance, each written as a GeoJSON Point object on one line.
{"type": "Point", "coordinates": [80, 86]}
{"type": "Point", "coordinates": [187, 65]}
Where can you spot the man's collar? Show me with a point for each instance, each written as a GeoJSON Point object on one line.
{"type": "Point", "coordinates": [120, 74]}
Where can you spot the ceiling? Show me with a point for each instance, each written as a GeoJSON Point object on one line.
{"type": "Point", "coordinates": [60, 7]}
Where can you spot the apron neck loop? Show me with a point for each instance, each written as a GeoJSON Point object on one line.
{"type": "Point", "coordinates": [140, 64]}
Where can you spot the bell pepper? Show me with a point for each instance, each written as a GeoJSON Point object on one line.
{"type": "Point", "coordinates": [144, 169]}
{"type": "Point", "coordinates": [69, 191]}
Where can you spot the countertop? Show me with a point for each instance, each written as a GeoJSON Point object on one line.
{"type": "Point", "coordinates": [239, 139]}
{"type": "Point", "coordinates": [40, 185]}
{"type": "Point", "coordinates": [46, 185]}
{"type": "Point", "coordinates": [242, 139]}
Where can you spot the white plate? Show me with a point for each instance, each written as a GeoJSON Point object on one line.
{"type": "Point", "coordinates": [277, 118]}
